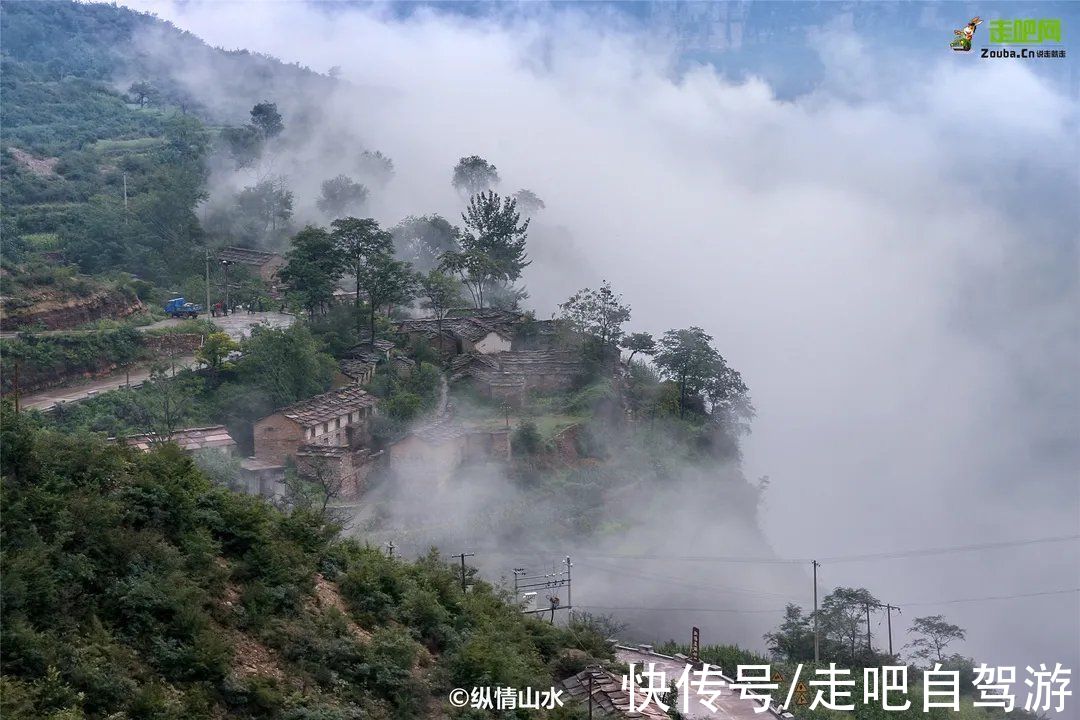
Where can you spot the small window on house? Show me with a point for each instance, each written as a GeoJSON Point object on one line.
{"type": "Point", "coordinates": [326, 426]}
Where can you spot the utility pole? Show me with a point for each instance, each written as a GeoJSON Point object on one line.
{"type": "Point", "coordinates": [463, 556]}
{"type": "Point", "coordinates": [390, 548]}
{"type": "Point", "coordinates": [517, 572]}
{"type": "Point", "coordinates": [817, 636]}
{"type": "Point", "coordinates": [207, 308]}
{"type": "Point", "coordinates": [869, 647]}
{"type": "Point", "coordinates": [888, 610]}
{"type": "Point", "coordinates": [17, 363]}
{"type": "Point", "coordinates": [125, 198]}
{"type": "Point", "coordinates": [569, 597]}
{"type": "Point", "coordinates": [225, 265]}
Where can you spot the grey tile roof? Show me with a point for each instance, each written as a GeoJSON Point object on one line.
{"type": "Point", "coordinates": [189, 439]}
{"type": "Point", "coordinates": [246, 256]}
{"type": "Point", "coordinates": [329, 405]}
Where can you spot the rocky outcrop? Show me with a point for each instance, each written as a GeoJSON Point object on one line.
{"type": "Point", "coordinates": [55, 313]}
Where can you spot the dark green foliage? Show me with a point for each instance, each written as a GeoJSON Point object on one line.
{"type": "Point", "coordinates": [267, 119]}
{"type": "Point", "coordinates": [129, 579]}
{"type": "Point", "coordinates": [315, 264]}
{"type": "Point", "coordinates": [42, 357]}
{"type": "Point", "coordinates": [492, 254]}
{"type": "Point", "coordinates": [423, 241]}
{"type": "Point", "coordinates": [341, 195]}
{"type": "Point", "coordinates": [404, 399]}
{"type": "Point", "coordinates": [527, 439]}
{"type": "Point", "coordinates": [474, 175]}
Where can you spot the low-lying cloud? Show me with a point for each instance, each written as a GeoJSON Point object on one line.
{"type": "Point", "coordinates": [890, 260]}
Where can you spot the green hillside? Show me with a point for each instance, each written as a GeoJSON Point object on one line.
{"type": "Point", "coordinates": [134, 588]}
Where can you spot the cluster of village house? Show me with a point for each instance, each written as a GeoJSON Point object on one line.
{"type": "Point", "coordinates": [502, 354]}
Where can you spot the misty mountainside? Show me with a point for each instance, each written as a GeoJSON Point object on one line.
{"type": "Point", "coordinates": [130, 151]}
{"type": "Point", "coordinates": [107, 138]}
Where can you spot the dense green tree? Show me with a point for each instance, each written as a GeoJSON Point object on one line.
{"type": "Point", "coordinates": [639, 342]}
{"type": "Point", "coordinates": [267, 119]}
{"type": "Point", "coordinates": [385, 281]}
{"type": "Point", "coordinates": [423, 240]}
{"type": "Point", "coordinates": [142, 93]}
{"type": "Point", "coordinates": [215, 352]}
{"type": "Point", "coordinates": [313, 266]}
{"type": "Point", "coordinates": [529, 202]}
{"type": "Point", "coordinates": [793, 641]}
{"type": "Point", "coordinates": [341, 195]}
{"type": "Point", "coordinates": [361, 242]}
{"type": "Point", "coordinates": [687, 358]}
{"type": "Point", "coordinates": [286, 364]}
{"type": "Point", "coordinates": [599, 314]}
{"type": "Point", "coordinates": [474, 175]}
{"type": "Point", "coordinates": [492, 247]}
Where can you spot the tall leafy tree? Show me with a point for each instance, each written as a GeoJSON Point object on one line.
{"type": "Point", "coordinates": [843, 617]}
{"type": "Point", "coordinates": [341, 195]}
{"type": "Point", "coordinates": [313, 266]}
{"type": "Point", "coordinates": [794, 639]}
{"type": "Point", "coordinates": [440, 293]}
{"type": "Point", "coordinates": [425, 239]}
{"type": "Point", "coordinates": [267, 119]}
{"type": "Point", "coordinates": [386, 281]}
{"type": "Point", "coordinates": [368, 252]}
{"type": "Point", "coordinates": [143, 93]}
{"type": "Point", "coordinates": [474, 175]}
{"type": "Point", "coordinates": [933, 634]}
{"type": "Point", "coordinates": [360, 241]}
{"type": "Point", "coordinates": [266, 206]}
{"type": "Point", "coordinates": [529, 202]}
{"type": "Point", "coordinates": [599, 314]}
{"type": "Point", "coordinates": [492, 246]}
{"type": "Point", "coordinates": [639, 342]}
{"type": "Point", "coordinates": [687, 358]}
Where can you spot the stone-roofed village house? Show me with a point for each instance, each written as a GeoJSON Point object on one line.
{"type": "Point", "coordinates": [339, 417]}
{"type": "Point", "coordinates": [265, 264]}
{"type": "Point", "coordinates": [481, 331]}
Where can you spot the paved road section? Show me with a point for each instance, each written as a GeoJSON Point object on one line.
{"type": "Point", "coordinates": [729, 706]}
{"type": "Point", "coordinates": [46, 399]}
{"type": "Point", "coordinates": [237, 325]}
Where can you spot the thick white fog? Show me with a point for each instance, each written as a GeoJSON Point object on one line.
{"type": "Point", "coordinates": [890, 260]}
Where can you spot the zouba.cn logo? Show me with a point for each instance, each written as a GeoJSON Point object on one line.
{"type": "Point", "coordinates": [962, 41]}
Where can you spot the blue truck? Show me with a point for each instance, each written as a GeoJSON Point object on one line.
{"type": "Point", "coordinates": [180, 308]}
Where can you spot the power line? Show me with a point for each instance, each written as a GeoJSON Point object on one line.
{"type": "Point", "coordinates": [679, 609]}
{"type": "Point", "coordinates": [757, 611]}
{"type": "Point", "coordinates": [686, 583]}
{"type": "Point", "coordinates": [997, 597]}
{"type": "Point", "coordinates": [920, 552]}
{"type": "Point", "coordinates": [951, 549]}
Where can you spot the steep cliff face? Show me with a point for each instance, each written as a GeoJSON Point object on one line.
{"type": "Point", "coordinates": [54, 311]}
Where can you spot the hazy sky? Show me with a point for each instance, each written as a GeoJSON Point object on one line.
{"type": "Point", "coordinates": [890, 259]}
